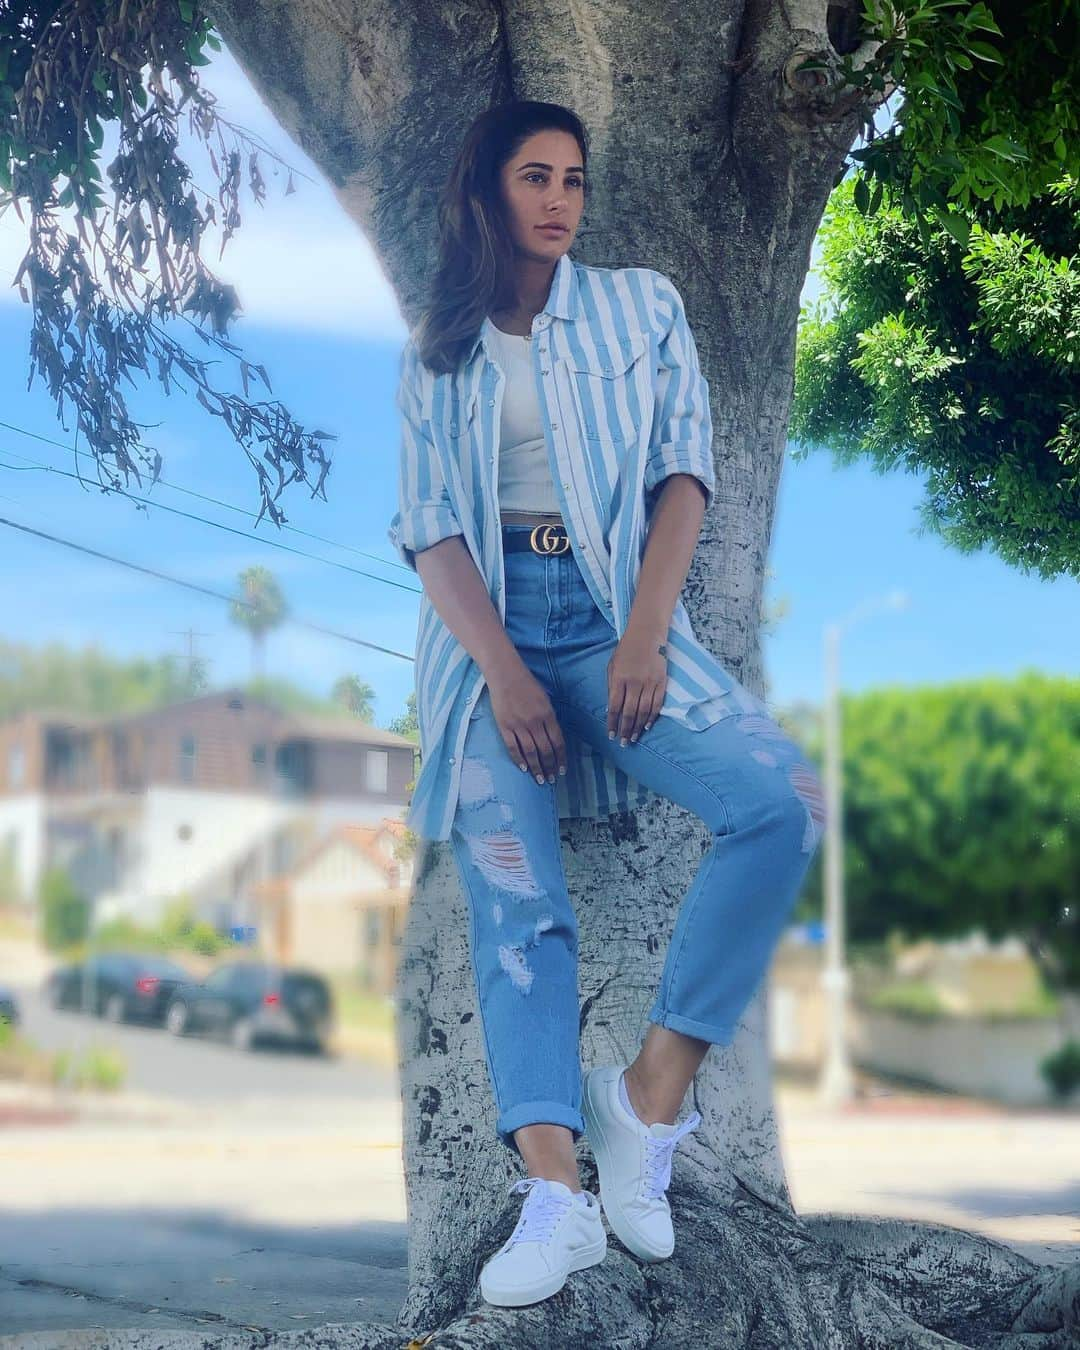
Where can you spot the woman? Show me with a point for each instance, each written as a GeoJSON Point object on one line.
{"type": "Point", "coordinates": [555, 471]}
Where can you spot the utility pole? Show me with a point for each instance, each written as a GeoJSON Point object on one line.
{"type": "Point", "coordinates": [194, 661]}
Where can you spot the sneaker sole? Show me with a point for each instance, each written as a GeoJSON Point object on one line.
{"type": "Point", "coordinates": [517, 1298]}
{"type": "Point", "coordinates": [624, 1231]}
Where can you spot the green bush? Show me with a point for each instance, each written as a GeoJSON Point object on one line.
{"type": "Point", "coordinates": [99, 1066]}
{"type": "Point", "coordinates": [1061, 1070]}
{"type": "Point", "coordinates": [908, 998]}
{"type": "Point", "coordinates": [65, 915]}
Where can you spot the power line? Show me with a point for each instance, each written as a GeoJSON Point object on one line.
{"type": "Point", "coordinates": [215, 524]}
{"type": "Point", "coordinates": [194, 586]}
{"type": "Point", "coordinates": [200, 496]}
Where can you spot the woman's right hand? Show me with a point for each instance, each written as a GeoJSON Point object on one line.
{"type": "Point", "coordinates": [527, 723]}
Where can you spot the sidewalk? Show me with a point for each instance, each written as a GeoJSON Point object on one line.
{"type": "Point", "coordinates": [152, 1217]}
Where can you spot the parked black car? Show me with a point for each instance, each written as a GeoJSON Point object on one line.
{"type": "Point", "coordinates": [125, 986]}
{"type": "Point", "coordinates": [249, 1001]}
{"type": "Point", "coordinates": [9, 1008]}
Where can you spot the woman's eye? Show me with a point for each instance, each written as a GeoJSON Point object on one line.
{"type": "Point", "coordinates": [575, 181]}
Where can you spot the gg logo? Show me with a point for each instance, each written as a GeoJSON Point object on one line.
{"type": "Point", "coordinates": [550, 541]}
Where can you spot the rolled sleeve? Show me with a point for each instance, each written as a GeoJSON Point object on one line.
{"type": "Point", "coordinates": [681, 439]}
{"type": "Point", "coordinates": [425, 513]}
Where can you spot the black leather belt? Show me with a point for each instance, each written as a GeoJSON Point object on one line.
{"type": "Point", "coordinates": [549, 538]}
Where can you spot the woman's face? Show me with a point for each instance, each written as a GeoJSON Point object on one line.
{"type": "Point", "coordinates": [544, 183]}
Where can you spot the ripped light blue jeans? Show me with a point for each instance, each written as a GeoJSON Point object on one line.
{"type": "Point", "coordinates": [744, 777]}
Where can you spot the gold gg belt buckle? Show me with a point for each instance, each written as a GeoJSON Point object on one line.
{"type": "Point", "coordinates": [550, 539]}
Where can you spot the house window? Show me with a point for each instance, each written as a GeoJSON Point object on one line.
{"type": "Point", "coordinates": [259, 762]}
{"type": "Point", "coordinates": [17, 766]}
{"type": "Point", "coordinates": [373, 926]}
{"type": "Point", "coordinates": [376, 770]}
{"type": "Point", "coordinates": [188, 759]}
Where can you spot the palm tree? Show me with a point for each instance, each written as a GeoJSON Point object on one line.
{"type": "Point", "coordinates": [260, 608]}
{"type": "Point", "coordinates": [356, 694]}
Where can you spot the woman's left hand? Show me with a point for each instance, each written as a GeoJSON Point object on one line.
{"type": "Point", "coordinates": [637, 679]}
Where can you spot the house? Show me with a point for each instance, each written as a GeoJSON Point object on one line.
{"type": "Point", "coordinates": [201, 798]}
{"type": "Point", "coordinates": [341, 908]}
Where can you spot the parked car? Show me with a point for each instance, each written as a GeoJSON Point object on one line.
{"type": "Point", "coordinates": [248, 1001]}
{"type": "Point", "coordinates": [9, 1007]}
{"type": "Point", "coordinates": [124, 986]}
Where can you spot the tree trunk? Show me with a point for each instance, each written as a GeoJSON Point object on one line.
{"type": "Point", "coordinates": [712, 160]}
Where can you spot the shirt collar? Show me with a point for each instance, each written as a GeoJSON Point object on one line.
{"type": "Point", "coordinates": [562, 301]}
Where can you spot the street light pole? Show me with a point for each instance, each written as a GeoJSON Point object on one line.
{"type": "Point", "coordinates": [837, 1083]}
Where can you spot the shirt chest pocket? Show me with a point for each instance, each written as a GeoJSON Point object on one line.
{"type": "Point", "coordinates": [610, 384]}
{"type": "Point", "coordinates": [460, 415]}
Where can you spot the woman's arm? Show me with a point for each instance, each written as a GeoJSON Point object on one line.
{"type": "Point", "coordinates": [429, 538]}
{"type": "Point", "coordinates": [680, 455]}
{"type": "Point", "coordinates": [679, 470]}
{"type": "Point", "coordinates": [669, 549]}
{"type": "Point", "coordinates": [460, 596]}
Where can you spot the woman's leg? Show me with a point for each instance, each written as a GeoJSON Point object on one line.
{"type": "Point", "coordinates": [524, 949]}
{"type": "Point", "coordinates": [762, 801]}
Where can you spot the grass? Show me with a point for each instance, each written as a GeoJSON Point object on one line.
{"type": "Point", "coordinates": [366, 1022]}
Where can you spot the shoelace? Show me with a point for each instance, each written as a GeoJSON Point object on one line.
{"type": "Point", "coordinates": [658, 1158]}
{"type": "Point", "coordinates": [541, 1211]}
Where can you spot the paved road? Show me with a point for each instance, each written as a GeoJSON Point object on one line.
{"type": "Point", "coordinates": [196, 1068]}
{"type": "Point", "coordinates": [275, 1196]}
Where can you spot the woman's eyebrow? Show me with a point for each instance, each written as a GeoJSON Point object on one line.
{"type": "Point", "coordinates": [536, 164]}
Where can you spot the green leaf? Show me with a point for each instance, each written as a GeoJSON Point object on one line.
{"type": "Point", "coordinates": [862, 195]}
{"type": "Point", "coordinates": [1003, 147]}
{"type": "Point", "coordinates": [956, 225]}
{"type": "Point", "coordinates": [985, 52]}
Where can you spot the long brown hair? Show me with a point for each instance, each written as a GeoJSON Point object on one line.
{"type": "Point", "coordinates": [475, 271]}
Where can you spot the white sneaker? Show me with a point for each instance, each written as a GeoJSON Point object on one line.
{"type": "Point", "coordinates": [633, 1161]}
{"type": "Point", "coordinates": [555, 1235]}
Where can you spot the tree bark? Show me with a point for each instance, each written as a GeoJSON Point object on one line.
{"type": "Point", "coordinates": [711, 159]}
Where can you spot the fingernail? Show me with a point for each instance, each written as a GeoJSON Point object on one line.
{"type": "Point", "coordinates": [611, 735]}
{"type": "Point", "coordinates": [539, 777]}
{"type": "Point", "coordinates": [523, 766]}
{"type": "Point", "coordinates": [623, 741]}
{"type": "Point", "coordinates": [634, 736]}
{"type": "Point", "coordinates": [562, 769]}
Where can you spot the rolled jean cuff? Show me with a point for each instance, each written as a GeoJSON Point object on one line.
{"type": "Point", "coordinates": [704, 1031]}
{"type": "Point", "coordinates": [535, 1113]}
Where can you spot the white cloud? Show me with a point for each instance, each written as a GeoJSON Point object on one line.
{"type": "Point", "coordinates": [297, 262]}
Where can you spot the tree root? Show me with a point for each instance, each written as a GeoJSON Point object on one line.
{"type": "Point", "coordinates": [749, 1277]}
{"type": "Point", "coordinates": [745, 1276]}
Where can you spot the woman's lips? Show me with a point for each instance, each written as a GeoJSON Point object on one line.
{"type": "Point", "coordinates": [552, 229]}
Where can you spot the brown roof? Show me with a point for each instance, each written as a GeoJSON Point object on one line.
{"type": "Point", "coordinates": [311, 726]}
{"type": "Point", "coordinates": [360, 837]}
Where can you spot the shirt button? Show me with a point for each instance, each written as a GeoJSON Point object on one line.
{"type": "Point", "coordinates": [554, 426]}
{"type": "Point", "coordinates": [567, 486]}
{"type": "Point", "coordinates": [451, 759]}
{"type": "Point", "coordinates": [491, 403]}
{"type": "Point", "coordinates": [607, 370]}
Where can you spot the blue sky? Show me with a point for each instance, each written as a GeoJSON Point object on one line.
{"type": "Point", "coordinates": [321, 316]}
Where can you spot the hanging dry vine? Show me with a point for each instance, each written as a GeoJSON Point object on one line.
{"type": "Point", "coordinates": [103, 296]}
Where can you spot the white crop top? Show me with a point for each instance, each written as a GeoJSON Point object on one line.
{"type": "Point", "coordinates": [525, 482]}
